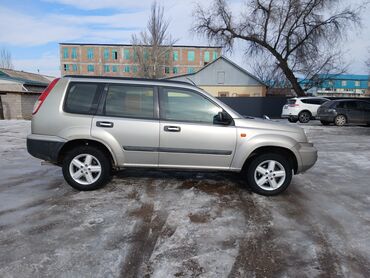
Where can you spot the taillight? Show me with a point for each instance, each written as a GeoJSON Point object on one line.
{"type": "Point", "coordinates": [293, 105]}
{"type": "Point", "coordinates": [43, 96]}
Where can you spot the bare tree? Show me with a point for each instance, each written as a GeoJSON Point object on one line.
{"type": "Point", "coordinates": [152, 48]}
{"type": "Point", "coordinates": [5, 59]}
{"type": "Point", "coordinates": [301, 36]}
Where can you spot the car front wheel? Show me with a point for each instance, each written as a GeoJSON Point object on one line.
{"type": "Point", "coordinates": [269, 174]}
{"type": "Point", "coordinates": [86, 168]}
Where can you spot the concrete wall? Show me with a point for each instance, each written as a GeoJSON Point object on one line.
{"type": "Point", "coordinates": [18, 105]}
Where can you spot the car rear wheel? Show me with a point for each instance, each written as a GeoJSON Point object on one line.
{"type": "Point", "coordinates": [86, 168]}
{"type": "Point", "coordinates": [304, 117]}
{"type": "Point", "coordinates": [325, 123]}
{"type": "Point", "coordinates": [340, 120]}
{"type": "Point", "coordinates": [269, 174]}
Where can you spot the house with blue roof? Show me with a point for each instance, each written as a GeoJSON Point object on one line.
{"type": "Point", "coordinates": [344, 85]}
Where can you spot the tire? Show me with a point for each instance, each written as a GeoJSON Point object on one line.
{"type": "Point", "coordinates": [304, 117]}
{"type": "Point", "coordinates": [91, 177]}
{"type": "Point", "coordinates": [340, 120]}
{"type": "Point", "coordinates": [292, 120]}
{"type": "Point", "coordinates": [325, 123]}
{"type": "Point", "coordinates": [254, 174]}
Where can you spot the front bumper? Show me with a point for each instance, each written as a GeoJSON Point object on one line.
{"type": "Point", "coordinates": [307, 154]}
{"type": "Point", "coordinates": [44, 147]}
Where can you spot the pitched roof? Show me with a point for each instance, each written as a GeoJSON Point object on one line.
{"type": "Point", "coordinates": [25, 77]}
{"type": "Point", "coordinates": [216, 60]}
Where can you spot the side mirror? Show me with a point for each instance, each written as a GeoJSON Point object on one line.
{"type": "Point", "coordinates": [221, 118]}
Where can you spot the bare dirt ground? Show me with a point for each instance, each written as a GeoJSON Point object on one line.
{"type": "Point", "coordinates": [182, 224]}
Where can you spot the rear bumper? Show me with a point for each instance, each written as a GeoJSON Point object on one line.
{"type": "Point", "coordinates": [308, 156]}
{"type": "Point", "coordinates": [44, 147]}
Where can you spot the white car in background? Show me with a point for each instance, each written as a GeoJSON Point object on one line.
{"type": "Point", "coordinates": [302, 109]}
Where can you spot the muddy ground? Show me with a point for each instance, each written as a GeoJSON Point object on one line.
{"type": "Point", "coordinates": [182, 224]}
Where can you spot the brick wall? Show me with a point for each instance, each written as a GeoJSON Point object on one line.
{"type": "Point", "coordinates": [17, 105]}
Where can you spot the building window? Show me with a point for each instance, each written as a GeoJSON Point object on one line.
{"type": "Point", "coordinates": [175, 70]}
{"type": "Point", "coordinates": [357, 83]}
{"type": "Point", "coordinates": [126, 68]}
{"type": "Point", "coordinates": [175, 55]}
{"type": "Point", "coordinates": [66, 67]}
{"type": "Point", "coordinates": [106, 68]}
{"type": "Point", "coordinates": [65, 53]}
{"type": "Point", "coordinates": [190, 70]}
{"type": "Point", "coordinates": [126, 54]}
{"type": "Point", "coordinates": [74, 53]}
{"type": "Point", "coordinates": [344, 83]}
{"type": "Point", "coordinates": [90, 53]}
{"type": "Point", "coordinates": [106, 54]}
{"type": "Point", "coordinates": [191, 56]}
{"type": "Point", "coordinates": [134, 68]}
{"type": "Point", "coordinates": [74, 67]}
{"type": "Point", "coordinates": [214, 55]}
{"type": "Point", "coordinates": [166, 70]}
{"type": "Point", "coordinates": [115, 68]}
{"type": "Point", "coordinates": [223, 94]}
{"type": "Point", "coordinates": [90, 68]}
{"type": "Point", "coordinates": [167, 56]}
{"type": "Point", "coordinates": [114, 55]}
{"type": "Point", "coordinates": [206, 56]}
{"type": "Point", "coordinates": [146, 55]}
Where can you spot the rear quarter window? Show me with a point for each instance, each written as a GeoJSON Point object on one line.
{"type": "Point", "coordinates": [82, 98]}
{"type": "Point", "coordinates": [291, 101]}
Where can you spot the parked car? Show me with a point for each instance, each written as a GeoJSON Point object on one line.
{"type": "Point", "coordinates": [302, 109]}
{"type": "Point", "coordinates": [341, 112]}
{"type": "Point", "coordinates": [91, 125]}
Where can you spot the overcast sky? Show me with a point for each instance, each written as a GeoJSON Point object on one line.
{"type": "Point", "coordinates": [31, 30]}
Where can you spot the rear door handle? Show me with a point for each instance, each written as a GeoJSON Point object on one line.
{"type": "Point", "coordinates": [170, 128]}
{"type": "Point", "coordinates": [104, 124]}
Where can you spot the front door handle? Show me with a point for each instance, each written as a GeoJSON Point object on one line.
{"type": "Point", "coordinates": [170, 128]}
{"type": "Point", "coordinates": [104, 124]}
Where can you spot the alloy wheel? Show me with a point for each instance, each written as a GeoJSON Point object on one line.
{"type": "Point", "coordinates": [85, 169]}
{"type": "Point", "coordinates": [270, 175]}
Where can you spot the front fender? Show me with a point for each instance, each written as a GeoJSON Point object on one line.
{"type": "Point", "coordinates": [245, 147]}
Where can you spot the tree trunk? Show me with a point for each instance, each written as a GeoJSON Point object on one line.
{"type": "Point", "coordinates": [292, 79]}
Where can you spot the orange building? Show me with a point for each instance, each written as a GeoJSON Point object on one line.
{"type": "Point", "coordinates": [119, 59]}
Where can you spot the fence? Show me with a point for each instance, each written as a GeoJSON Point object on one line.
{"type": "Point", "coordinates": [259, 106]}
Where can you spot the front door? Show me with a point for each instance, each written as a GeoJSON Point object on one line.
{"type": "Point", "coordinates": [189, 136]}
{"type": "Point", "coordinates": [127, 118]}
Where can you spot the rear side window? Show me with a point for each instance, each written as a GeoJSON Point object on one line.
{"type": "Point", "coordinates": [82, 98]}
{"type": "Point", "coordinates": [129, 101]}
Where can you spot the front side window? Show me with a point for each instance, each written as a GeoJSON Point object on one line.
{"type": "Point", "coordinates": [129, 101]}
{"type": "Point", "coordinates": [82, 98]}
{"type": "Point", "coordinates": [187, 106]}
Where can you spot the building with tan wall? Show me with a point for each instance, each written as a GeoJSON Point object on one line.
{"type": "Point", "coordinates": [119, 59]}
{"type": "Point", "coordinates": [224, 78]}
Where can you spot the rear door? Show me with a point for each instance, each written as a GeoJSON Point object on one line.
{"type": "Point", "coordinates": [189, 137]}
{"type": "Point", "coordinates": [127, 116]}
{"type": "Point", "coordinates": [354, 112]}
{"type": "Point", "coordinates": [365, 107]}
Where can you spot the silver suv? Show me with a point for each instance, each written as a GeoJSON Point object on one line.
{"type": "Point", "coordinates": [91, 125]}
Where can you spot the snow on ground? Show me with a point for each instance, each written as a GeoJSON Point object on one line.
{"type": "Point", "coordinates": [184, 224]}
